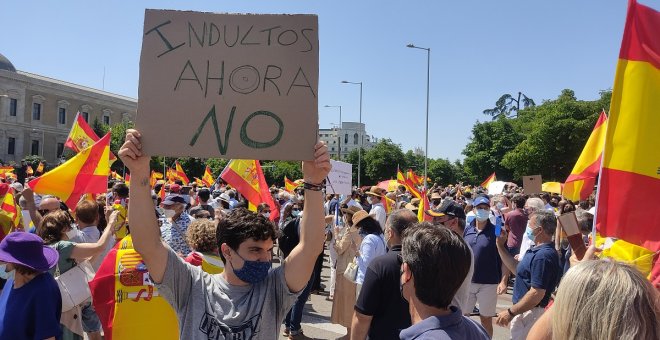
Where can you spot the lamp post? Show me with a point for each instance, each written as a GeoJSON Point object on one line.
{"type": "Point", "coordinates": [361, 135]}
{"type": "Point", "coordinates": [428, 77]}
{"type": "Point", "coordinates": [338, 130]}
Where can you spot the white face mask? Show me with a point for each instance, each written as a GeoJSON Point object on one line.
{"type": "Point", "coordinates": [266, 215]}
{"type": "Point", "coordinates": [72, 233]}
{"type": "Point", "coordinates": [169, 213]}
{"type": "Point", "coordinates": [4, 274]}
{"type": "Point", "coordinates": [369, 200]}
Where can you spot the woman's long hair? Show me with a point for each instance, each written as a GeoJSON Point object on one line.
{"type": "Point", "coordinates": [53, 225]}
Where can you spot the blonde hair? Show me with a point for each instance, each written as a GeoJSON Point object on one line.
{"type": "Point", "coordinates": [605, 300]}
{"type": "Point", "coordinates": [201, 235]}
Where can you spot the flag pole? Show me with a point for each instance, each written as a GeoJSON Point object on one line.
{"type": "Point", "coordinates": [600, 171]}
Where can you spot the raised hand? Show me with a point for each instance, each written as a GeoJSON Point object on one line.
{"type": "Point", "coordinates": [131, 152]}
{"type": "Point", "coordinates": [317, 170]}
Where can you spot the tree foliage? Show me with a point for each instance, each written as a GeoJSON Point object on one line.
{"type": "Point", "coordinates": [545, 139]}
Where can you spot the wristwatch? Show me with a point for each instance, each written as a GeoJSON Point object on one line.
{"type": "Point", "coordinates": [510, 312]}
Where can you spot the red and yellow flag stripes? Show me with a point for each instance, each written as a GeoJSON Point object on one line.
{"type": "Point", "coordinates": [631, 164]}
{"type": "Point", "coordinates": [86, 172]}
{"type": "Point", "coordinates": [82, 136]}
{"type": "Point", "coordinates": [489, 180]}
{"type": "Point", "coordinates": [248, 178]}
{"type": "Point", "coordinates": [580, 183]}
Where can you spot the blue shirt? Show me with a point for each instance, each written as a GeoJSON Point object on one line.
{"type": "Point", "coordinates": [174, 233]}
{"type": "Point", "coordinates": [539, 268]}
{"type": "Point", "coordinates": [452, 326]}
{"type": "Point", "coordinates": [33, 310]}
{"type": "Point", "coordinates": [487, 263]}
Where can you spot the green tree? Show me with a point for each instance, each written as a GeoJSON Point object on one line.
{"type": "Point", "coordinates": [506, 105]}
{"type": "Point", "coordinates": [413, 161]}
{"type": "Point", "coordinates": [489, 143]}
{"type": "Point", "coordinates": [353, 159]}
{"type": "Point", "coordinates": [274, 171]}
{"type": "Point", "coordinates": [382, 160]}
{"type": "Point", "coordinates": [556, 133]}
{"type": "Point", "coordinates": [442, 171]}
{"type": "Point", "coordinates": [99, 129]}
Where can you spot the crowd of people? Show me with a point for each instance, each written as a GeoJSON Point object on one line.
{"type": "Point", "coordinates": [392, 276]}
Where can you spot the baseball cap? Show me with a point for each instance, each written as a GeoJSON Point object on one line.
{"type": "Point", "coordinates": [481, 200]}
{"type": "Point", "coordinates": [173, 198]}
{"type": "Point", "coordinates": [449, 208]}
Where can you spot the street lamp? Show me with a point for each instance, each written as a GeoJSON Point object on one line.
{"type": "Point", "coordinates": [428, 77]}
{"type": "Point", "coordinates": [361, 135]}
{"type": "Point", "coordinates": [338, 130]}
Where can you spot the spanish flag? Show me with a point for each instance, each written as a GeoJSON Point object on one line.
{"type": "Point", "coordinates": [208, 178]}
{"type": "Point", "coordinates": [126, 300]}
{"type": "Point", "coordinates": [29, 171]}
{"type": "Point", "coordinates": [40, 168]}
{"type": "Point", "coordinates": [82, 136]}
{"type": "Point", "coordinates": [171, 175]}
{"type": "Point", "coordinates": [580, 183]}
{"type": "Point", "coordinates": [408, 183]}
{"type": "Point", "coordinates": [414, 179]}
{"type": "Point", "coordinates": [180, 174]}
{"type": "Point", "coordinates": [489, 180]}
{"type": "Point", "coordinates": [153, 178]}
{"type": "Point", "coordinates": [10, 214]}
{"type": "Point", "coordinates": [86, 172]}
{"type": "Point", "coordinates": [248, 178]}
{"type": "Point", "coordinates": [424, 205]}
{"type": "Point", "coordinates": [290, 185]}
{"type": "Point", "coordinates": [128, 179]}
{"type": "Point", "coordinates": [114, 175]}
{"type": "Point", "coordinates": [5, 169]}
{"type": "Point", "coordinates": [631, 163]}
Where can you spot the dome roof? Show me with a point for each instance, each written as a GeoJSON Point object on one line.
{"type": "Point", "coordinates": [5, 64]}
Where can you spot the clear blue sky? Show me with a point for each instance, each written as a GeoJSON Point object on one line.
{"type": "Point", "coordinates": [479, 51]}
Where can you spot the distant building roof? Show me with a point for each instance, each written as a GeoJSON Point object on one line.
{"type": "Point", "coordinates": [5, 64]}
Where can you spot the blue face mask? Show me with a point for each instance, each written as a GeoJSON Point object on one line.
{"type": "Point", "coordinates": [529, 232]}
{"type": "Point", "coordinates": [4, 274]}
{"type": "Point", "coordinates": [252, 272]}
{"type": "Point", "coordinates": [295, 213]}
{"type": "Point", "coordinates": [482, 214]}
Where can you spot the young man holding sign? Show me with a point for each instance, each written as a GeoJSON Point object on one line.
{"type": "Point", "coordinates": [249, 299]}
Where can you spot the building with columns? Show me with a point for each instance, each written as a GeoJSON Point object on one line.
{"type": "Point", "coordinates": [342, 140]}
{"type": "Point", "coordinates": [37, 112]}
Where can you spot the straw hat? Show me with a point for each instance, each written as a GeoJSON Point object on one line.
{"type": "Point", "coordinates": [359, 216]}
{"type": "Point", "coordinates": [350, 210]}
{"type": "Point", "coordinates": [375, 191]}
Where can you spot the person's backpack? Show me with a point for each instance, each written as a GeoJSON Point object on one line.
{"type": "Point", "coordinates": [289, 238]}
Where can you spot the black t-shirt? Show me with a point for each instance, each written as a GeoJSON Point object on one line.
{"type": "Point", "coordinates": [380, 297]}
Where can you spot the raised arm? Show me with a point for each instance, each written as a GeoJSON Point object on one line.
{"type": "Point", "coordinates": [300, 263]}
{"type": "Point", "coordinates": [144, 225]}
{"type": "Point", "coordinates": [506, 257]}
{"type": "Point", "coordinates": [85, 250]}
{"type": "Point", "coordinates": [35, 216]}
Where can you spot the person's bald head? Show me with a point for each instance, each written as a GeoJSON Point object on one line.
{"type": "Point", "coordinates": [49, 204]}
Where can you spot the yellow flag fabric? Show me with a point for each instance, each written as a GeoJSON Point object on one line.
{"type": "Point", "coordinates": [86, 172]}
{"type": "Point", "coordinates": [580, 183]}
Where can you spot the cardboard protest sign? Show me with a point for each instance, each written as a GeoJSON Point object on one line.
{"type": "Point", "coordinates": [570, 225]}
{"type": "Point", "coordinates": [339, 178]}
{"type": "Point", "coordinates": [532, 184]}
{"type": "Point", "coordinates": [229, 85]}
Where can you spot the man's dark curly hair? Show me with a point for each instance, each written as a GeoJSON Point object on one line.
{"type": "Point", "coordinates": [241, 224]}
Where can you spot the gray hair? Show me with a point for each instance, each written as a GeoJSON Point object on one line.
{"type": "Point", "coordinates": [546, 220]}
{"type": "Point", "coordinates": [535, 203]}
{"type": "Point", "coordinates": [400, 219]}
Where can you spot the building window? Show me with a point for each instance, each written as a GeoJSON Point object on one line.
{"type": "Point", "coordinates": [36, 111]}
{"type": "Point", "coordinates": [355, 138]}
{"type": "Point", "coordinates": [61, 116]}
{"type": "Point", "coordinates": [106, 120]}
{"type": "Point", "coordinates": [13, 106]}
{"type": "Point", "coordinates": [35, 147]}
{"type": "Point", "coordinates": [60, 149]}
{"type": "Point", "coordinates": [346, 138]}
{"type": "Point", "coordinates": [11, 146]}
{"type": "Point", "coordinates": [333, 149]}
{"type": "Point", "coordinates": [85, 116]}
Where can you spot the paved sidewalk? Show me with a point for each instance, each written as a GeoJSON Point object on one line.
{"type": "Point", "coordinates": [316, 316]}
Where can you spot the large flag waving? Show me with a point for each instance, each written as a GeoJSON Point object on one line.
{"type": "Point", "coordinates": [248, 178]}
{"type": "Point", "coordinates": [180, 174]}
{"type": "Point", "coordinates": [408, 183]}
{"type": "Point", "coordinates": [580, 183]}
{"type": "Point", "coordinates": [82, 136]}
{"type": "Point", "coordinates": [290, 185]}
{"type": "Point", "coordinates": [489, 180]}
{"type": "Point", "coordinates": [87, 172]}
{"type": "Point", "coordinates": [631, 163]}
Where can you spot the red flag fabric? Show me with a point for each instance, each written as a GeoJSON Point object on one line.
{"type": "Point", "coordinates": [248, 178]}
